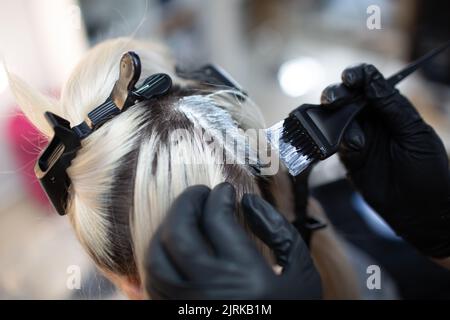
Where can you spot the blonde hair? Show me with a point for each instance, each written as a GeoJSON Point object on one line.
{"type": "Point", "coordinates": [128, 172]}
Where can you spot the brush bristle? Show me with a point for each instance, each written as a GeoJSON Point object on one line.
{"type": "Point", "coordinates": [296, 149]}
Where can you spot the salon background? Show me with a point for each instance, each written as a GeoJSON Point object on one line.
{"type": "Point", "coordinates": [283, 52]}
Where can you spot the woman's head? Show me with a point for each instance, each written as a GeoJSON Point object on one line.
{"type": "Point", "coordinates": [129, 171]}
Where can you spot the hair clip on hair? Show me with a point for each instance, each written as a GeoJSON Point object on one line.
{"type": "Point", "coordinates": [57, 157]}
{"type": "Point", "coordinates": [213, 76]}
{"type": "Point", "coordinates": [51, 166]}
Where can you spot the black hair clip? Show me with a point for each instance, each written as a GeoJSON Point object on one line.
{"type": "Point", "coordinates": [51, 166]}
{"type": "Point", "coordinates": [211, 75]}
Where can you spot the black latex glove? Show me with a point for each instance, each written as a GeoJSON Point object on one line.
{"type": "Point", "coordinates": [201, 252]}
{"type": "Point", "coordinates": [396, 161]}
{"type": "Point", "coordinates": [304, 223]}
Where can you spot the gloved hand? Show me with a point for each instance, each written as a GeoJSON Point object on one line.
{"type": "Point", "coordinates": [305, 224]}
{"type": "Point", "coordinates": [201, 252]}
{"type": "Point", "coordinates": [396, 161]}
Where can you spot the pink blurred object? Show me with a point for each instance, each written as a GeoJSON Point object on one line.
{"type": "Point", "coordinates": [26, 143]}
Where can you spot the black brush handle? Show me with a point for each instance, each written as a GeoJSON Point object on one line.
{"type": "Point", "coordinates": [327, 127]}
{"type": "Point", "coordinates": [349, 96]}
{"type": "Point", "coordinates": [334, 120]}
{"type": "Point", "coordinates": [399, 76]}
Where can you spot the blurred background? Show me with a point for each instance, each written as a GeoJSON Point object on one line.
{"type": "Point", "coordinates": [283, 52]}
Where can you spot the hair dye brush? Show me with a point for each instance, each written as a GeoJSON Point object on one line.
{"type": "Point", "coordinates": [313, 133]}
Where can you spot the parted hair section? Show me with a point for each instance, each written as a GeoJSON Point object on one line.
{"type": "Point", "coordinates": [128, 172]}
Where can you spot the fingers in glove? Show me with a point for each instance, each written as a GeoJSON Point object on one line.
{"type": "Point", "coordinates": [220, 225]}
{"type": "Point", "coordinates": [161, 274]}
{"type": "Point", "coordinates": [368, 78]}
{"type": "Point", "coordinates": [354, 139]}
{"type": "Point", "coordinates": [336, 95]}
{"type": "Point", "coordinates": [271, 227]}
{"type": "Point", "coordinates": [397, 112]}
{"type": "Point", "coordinates": [302, 270]}
{"type": "Point", "coordinates": [353, 149]}
{"type": "Point", "coordinates": [353, 76]}
{"type": "Point", "coordinates": [181, 234]}
{"type": "Point", "coordinates": [289, 248]}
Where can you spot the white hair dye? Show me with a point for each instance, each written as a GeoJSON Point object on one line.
{"type": "Point", "coordinates": [221, 129]}
{"type": "Point", "coordinates": [125, 176]}
{"type": "Point", "coordinates": [129, 145]}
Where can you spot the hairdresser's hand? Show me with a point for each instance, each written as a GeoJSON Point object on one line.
{"type": "Point", "coordinates": [396, 160]}
{"type": "Point", "coordinates": [305, 224]}
{"type": "Point", "coordinates": [201, 252]}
